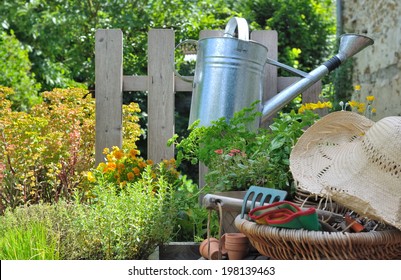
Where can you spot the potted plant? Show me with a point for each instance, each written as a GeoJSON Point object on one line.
{"type": "Point", "coordinates": [238, 157]}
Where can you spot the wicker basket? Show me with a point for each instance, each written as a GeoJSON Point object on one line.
{"type": "Point", "coordinates": [296, 244]}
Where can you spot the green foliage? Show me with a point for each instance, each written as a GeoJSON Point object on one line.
{"type": "Point", "coordinates": [15, 68]}
{"type": "Point", "coordinates": [30, 233]}
{"type": "Point", "coordinates": [192, 218]}
{"type": "Point", "coordinates": [128, 224]}
{"type": "Point", "coordinates": [305, 28]}
{"type": "Point", "coordinates": [47, 150]}
{"type": "Point", "coordinates": [66, 53]}
{"type": "Point", "coordinates": [116, 225]}
{"type": "Point", "coordinates": [237, 157]}
{"type": "Point", "coordinates": [31, 243]}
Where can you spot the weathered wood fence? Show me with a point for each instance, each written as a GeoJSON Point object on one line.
{"type": "Point", "coordinates": [161, 84]}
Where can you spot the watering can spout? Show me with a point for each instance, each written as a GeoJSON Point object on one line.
{"type": "Point", "coordinates": [350, 44]}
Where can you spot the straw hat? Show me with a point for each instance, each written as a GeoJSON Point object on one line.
{"type": "Point", "coordinates": [355, 161]}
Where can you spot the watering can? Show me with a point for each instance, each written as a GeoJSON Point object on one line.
{"type": "Point", "coordinates": [229, 74]}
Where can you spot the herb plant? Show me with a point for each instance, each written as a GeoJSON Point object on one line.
{"type": "Point", "coordinates": [238, 157]}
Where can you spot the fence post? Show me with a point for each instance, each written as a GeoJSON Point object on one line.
{"type": "Point", "coordinates": [160, 93]}
{"type": "Point", "coordinates": [109, 90]}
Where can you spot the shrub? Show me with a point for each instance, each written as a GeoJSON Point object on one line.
{"type": "Point", "coordinates": [48, 150]}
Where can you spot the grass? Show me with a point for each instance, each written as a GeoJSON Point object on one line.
{"type": "Point", "coordinates": [31, 243]}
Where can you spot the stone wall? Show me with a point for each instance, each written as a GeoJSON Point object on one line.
{"type": "Point", "coordinates": [378, 67]}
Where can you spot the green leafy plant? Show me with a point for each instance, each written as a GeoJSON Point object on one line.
{"type": "Point", "coordinates": [31, 243]}
{"type": "Point", "coordinates": [128, 224]}
{"type": "Point", "coordinates": [124, 224]}
{"type": "Point", "coordinates": [48, 149]}
{"type": "Point", "coordinates": [32, 233]}
{"type": "Point", "coordinates": [237, 157]}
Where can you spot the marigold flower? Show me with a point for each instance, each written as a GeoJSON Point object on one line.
{"type": "Point", "coordinates": [106, 151]}
{"type": "Point", "coordinates": [118, 154]}
{"type": "Point", "coordinates": [111, 165]}
{"type": "Point", "coordinates": [133, 153]}
{"type": "Point", "coordinates": [357, 87]}
{"type": "Point", "coordinates": [149, 161]}
{"type": "Point", "coordinates": [136, 170]}
{"type": "Point", "coordinates": [142, 164]}
{"type": "Point", "coordinates": [130, 176]}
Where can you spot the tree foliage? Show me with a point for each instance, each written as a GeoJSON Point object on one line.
{"type": "Point", "coordinates": [305, 28]}
{"type": "Point", "coordinates": [60, 34]}
{"type": "Point", "coordinates": [16, 71]}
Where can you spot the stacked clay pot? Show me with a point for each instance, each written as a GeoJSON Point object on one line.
{"type": "Point", "coordinates": [236, 245]}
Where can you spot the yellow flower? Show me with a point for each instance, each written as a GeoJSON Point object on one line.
{"type": "Point", "coordinates": [110, 158]}
{"type": "Point", "coordinates": [370, 98]}
{"type": "Point", "coordinates": [106, 151]}
{"type": "Point", "coordinates": [373, 110]}
{"type": "Point", "coordinates": [101, 166]}
{"type": "Point", "coordinates": [353, 104]}
{"type": "Point", "coordinates": [361, 107]}
{"type": "Point", "coordinates": [91, 177]}
{"type": "Point", "coordinates": [357, 87]}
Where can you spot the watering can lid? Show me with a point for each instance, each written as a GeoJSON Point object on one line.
{"type": "Point", "coordinates": [240, 24]}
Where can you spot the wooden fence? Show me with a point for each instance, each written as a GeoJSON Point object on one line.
{"type": "Point", "coordinates": [161, 84]}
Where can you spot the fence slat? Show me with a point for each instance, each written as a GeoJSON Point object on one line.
{"type": "Point", "coordinates": [268, 38]}
{"type": "Point", "coordinates": [109, 89]}
{"type": "Point", "coordinates": [161, 93]}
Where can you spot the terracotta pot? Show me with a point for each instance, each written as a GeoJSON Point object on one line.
{"type": "Point", "coordinates": [236, 245]}
{"type": "Point", "coordinates": [214, 249]}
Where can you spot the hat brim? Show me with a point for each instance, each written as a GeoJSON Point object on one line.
{"type": "Point", "coordinates": [329, 160]}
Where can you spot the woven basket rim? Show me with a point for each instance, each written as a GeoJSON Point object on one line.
{"type": "Point", "coordinates": [246, 225]}
{"type": "Point", "coordinates": [287, 244]}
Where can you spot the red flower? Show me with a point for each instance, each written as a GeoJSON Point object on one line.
{"type": "Point", "coordinates": [219, 151]}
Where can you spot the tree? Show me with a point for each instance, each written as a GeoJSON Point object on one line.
{"type": "Point", "coordinates": [306, 28]}
{"type": "Point", "coordinates": [16, 72]}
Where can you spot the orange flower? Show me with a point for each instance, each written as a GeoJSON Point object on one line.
{"type": "Point", "coordinates": [118, 154]}
{"type": "Point", "coordinates": [133, 153]}
{"type": "Point", "coordinates": [130, 176]}
{"type": "Point", "coordinates": [111, 166]}
{"type": "Point", "coordinates": [136, 170]}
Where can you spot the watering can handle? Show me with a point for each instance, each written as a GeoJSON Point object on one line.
{"type": "Point", "coordinates": [188, 41]}
{"type": "Point", "coordinates": [241, 25]}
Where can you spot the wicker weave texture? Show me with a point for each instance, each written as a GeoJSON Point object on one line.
{"type": "Point", "coordinates": [290, 244]}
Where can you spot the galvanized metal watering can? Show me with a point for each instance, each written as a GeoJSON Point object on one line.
{"type": "Point", "coordinates": [229, 74]}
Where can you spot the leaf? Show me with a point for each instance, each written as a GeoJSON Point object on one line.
{"type": "Point", "coordinates": [276, 143]}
